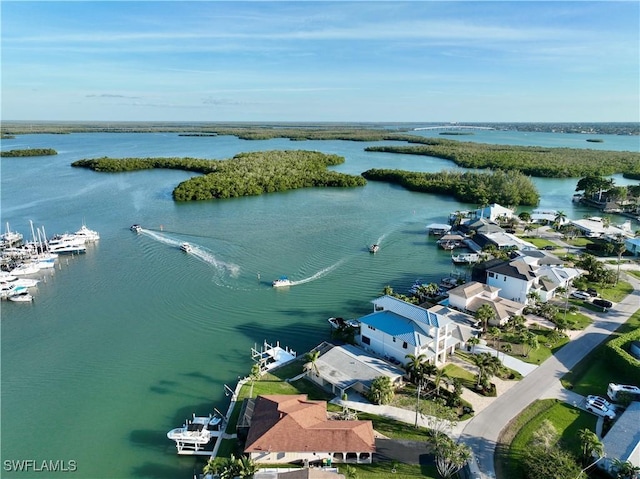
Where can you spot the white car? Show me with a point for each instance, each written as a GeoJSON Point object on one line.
{"type": "Point", "coordinates": [580, 295]}
{"type": "Point", "coordinates": [600, 406]}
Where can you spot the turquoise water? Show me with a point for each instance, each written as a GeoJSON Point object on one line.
{"type": "Point", "coordinates": [125, 342]}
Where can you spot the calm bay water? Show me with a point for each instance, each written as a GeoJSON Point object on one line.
{"type": "Point", "coordinates": [125, 342]}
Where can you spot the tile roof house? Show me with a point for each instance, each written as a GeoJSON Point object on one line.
{"type": "Point", "coordinates": [397, 328]}
{"type": "Point", "coordinates": [293, 429]}
{"type": "Point", "coordinates": [470, 296]}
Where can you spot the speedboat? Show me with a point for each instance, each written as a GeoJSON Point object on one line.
{"type": "Point", "coordinates": [196, 433]}
{"type": "Point", "coordinates": [186, 247]}
{"type": "Point", "coordinates": [21, 297]}
{"type": "Point", "coordinates": [281, 281]}
{"type": "Point", "coordinates": [341, 323]}
{"type": "Point", "coordinates": [374, 248]}
{"type": "Point", "coordinates": [25, 268]}
{"type": "Point", "coordinates": [136, 228]}
{"type": "Point", "coordinates": [88, 235]}
{"type": "Point", "coordinates": [9, 290]}
{"type": "Point", "coordinates": [465, 258]}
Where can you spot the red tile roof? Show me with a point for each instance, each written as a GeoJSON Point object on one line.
{"type": "Point", "coordinates": [292, 423]}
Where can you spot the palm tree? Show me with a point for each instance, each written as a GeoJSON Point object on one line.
{"type": "Point", "coordinates": [213, 466]}
{"type": "Point", "coordinates": [387, 290]}
{"type": "Point", "coordinates": [484, 314]}
{"type": "Point", "coordinates": [415, 367]}
{"type": "Point", "coordinates": [437, 379]}
{"type": "Point", "coordinates": [625, 469]}
{"type": "Point", "coordinates": [488, 365]}
{"type": "Point", "coordinates": [560, 217]}
{"type": "Point", "coordinates": [473, 341]}
{"type": "Point", "coordinates": [495, 332]}
{"type": "Point", "coordinates": [620, 248]}
{"type": "Point", "coordinates": [591, 445]}
{"type": "Point", "coordinates": [312, 357]}
{"type": "Point", "coordinates": [381, 390]}
{"type": "Point", "coordinates": [529, 341]}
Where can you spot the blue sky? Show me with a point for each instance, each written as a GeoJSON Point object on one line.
{"type": "Point", "coordinates": [321, 61]}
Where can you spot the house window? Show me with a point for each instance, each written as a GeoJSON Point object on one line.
{"type": "Point", "coordinates": [394, 339]}
{"type": "Point", "coordinates": [405, 345]}
{"type": "Point", "coordinates": [366, 340]}
{"type": "Point", "coordinates": [491, 275]}
{"type": "Point", "coordinates": [504, 279]}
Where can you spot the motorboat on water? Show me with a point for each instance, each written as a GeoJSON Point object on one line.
{"type": "Point", "coordinates": [8, 279]}
{"type": "Point", "coordinates": [374, 248]}
{"type": "Point", "coordinates": [24, 269]}
{"type": "Point", "coordinates": [465, 258]}
{"type": "Point", "coordinates": [10, 238]}
{"type": "Point", "coordinates": [66, 244]}
{"type": "Point", "coordinates": [280, 282]}
{"type": "Point", "coordinates": [196, 433]}
{"type": "Point", "coordinates": [9, 290]}
{"type": "Point", "coordinates": [341, 323]}
{"type": "Point", "coordinates": [186, 247]}
{"type": "Point", "coordinates": [88, 235]}
{"type": "Point", "coordinates": [23, 297]}
{"type": "Point", "coordinates": [136, 228]}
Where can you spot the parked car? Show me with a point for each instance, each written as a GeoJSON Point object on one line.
{"type": "Point", "coordinates": [592, 291]}
{"type": "Point", "coordinates": [615, 389]}
{"type": "Point", "coordinates": [603, 303]}
{"type": "Point", "coordinates": [600, 406]}
{"type": "Point", "coordinates": [580, 295]}
{"type": "Point", "coordinates": [549, 247]}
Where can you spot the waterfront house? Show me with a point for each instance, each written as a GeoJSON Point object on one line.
{"type": "Point", "coordinates": [471, 296]}
{"type": "Point", "coordinates": [633, 246]}
{"type": "Point", "coordinates": [293, 429]}
{"type": "Point", "coordinates": [494, 211]}
{"type": "Point", "coordinates": [397, 328]}
{"type": "Point", "coordinates": [346, 368]}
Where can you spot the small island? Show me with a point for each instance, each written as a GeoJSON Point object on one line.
{"type": "Point", "coordinates": [595, 140]}
{"type": "Point", "coordinates": [456, 133]}
{"type": "Point", "coordinates": [246, 174]}
{"type": "Point", "coordinates": [29, 152]}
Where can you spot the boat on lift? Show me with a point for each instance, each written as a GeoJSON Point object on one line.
{"type": "Point", "coordinates": [196, 433]}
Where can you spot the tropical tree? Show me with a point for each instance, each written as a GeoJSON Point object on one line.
{"type": "Point", "coordinates": [213, 466]}
{"type": "Point", "coordinates": [495, 332]}
{"type": "Point", "coordinates": [312, 358]}
{"type": "Point", "coordinates": [485, 314]}
{"type": "Point", "coordinates": [437, 379]}
{"type": "Point", "coordinates": [529, 342]}
{"type": "Point", "coordinates": [590, 445]}
{"type": "Point", "coordinates": [450, 456]}
{"type": "Point", "coordinates": [525, 216]}
{"type": "Point", "coordinates": [473, 341]}
{"type": "Point", "coordinates": [488, 366]}
{"type": "Point", "coordinates": [387, 290]}
{"type": "Point", "coordinates": [619, 248]}
{"type": "Point", "coordinates": [559, 218]}
{"type": "Point", "coordinates": [381, 390]}
{"type": "Point", "coordinates": [351, 472]}
{"type": "Point", "coordinates": [415, 367]}
{"type": "Point", "coordinates": [516, 323]}
{"type": "Point", "coordinates": [625, 469]}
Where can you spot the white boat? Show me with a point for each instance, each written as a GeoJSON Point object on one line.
{"type": "Point", "coordinates": [10, 238]}
{"type": "Point", "coordinates": [465, 258]}
{"type": "Point", "coordinates": [66, 244]}
{"type": "Point", "coordinates": [186, 247]}
{"type": "Point", "coordinates": [8, 290]}
{"type": "Point", "coordinates": [374, 248]}
{"type": "Point", "coordinates": [280, 282]}
{"type": "Point", "coordinates": [21, 297]}
{"type": "Point", "coordinates": [45, 260]}
{"type": "Point", "coordinates": [136, 228]}
{"type": "Point", "coordinates": [8, 279]}
{"type": "Point", "coordinates": [88, 235]}
{"type": "Point", "coordinates": [25, 268]}
{"type": "Point", "coordinates": [196, 433]}
{"type": "Point", "coordinates": [341, 323]}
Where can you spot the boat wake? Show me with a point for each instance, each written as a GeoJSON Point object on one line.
{"type": "Point", "coordinates": [319, 274]}
{"type": "Point", "coordinates": [199, 252]}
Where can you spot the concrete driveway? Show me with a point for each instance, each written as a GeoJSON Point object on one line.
{"type": "Point", "coordinates": [405, 451]}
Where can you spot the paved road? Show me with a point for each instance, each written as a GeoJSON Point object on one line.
{"type": "Point", "coordinates": [481, 432]}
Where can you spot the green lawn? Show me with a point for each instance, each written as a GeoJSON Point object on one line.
{"type": "Point", "coordinates": [540, 242]}
{"type": "Point", "coordinates": [566, 419]}
{"type": "Point", "coordinates": [633, 273]}
{"type": "Point", "coordinates": [577, 321]}
{"type": "Point", "coordinates": [579, 242]}
{"type": "Point", "coordinates": [383, 471]}
{"type": "Point", "coordinates": [591, 375]}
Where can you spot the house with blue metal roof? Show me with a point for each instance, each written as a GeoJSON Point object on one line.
{"type": "Point", "coordinates": [397, 328]}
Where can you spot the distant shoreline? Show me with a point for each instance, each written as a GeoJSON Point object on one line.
{"type": "Point", "coordinates": [19, 127]}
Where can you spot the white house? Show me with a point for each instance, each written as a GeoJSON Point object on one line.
{"type": "Point", "coordinates": [469, 297]}
{"type": "Point", "coordinates": [494, 211]}
{"type": "Point", "coordinates": [623, 439]}
{"type": "Point", "coordinates": [397, 328]}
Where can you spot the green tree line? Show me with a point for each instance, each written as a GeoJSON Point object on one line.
{"type": "Point", "coordinates": [246, 174]}
{"type": "Point", "coordinates": [505, 187]}
{"type": "Point", "coordinates": [29, 152]}
{"type": "Point", "coordinates": [530, 160]}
